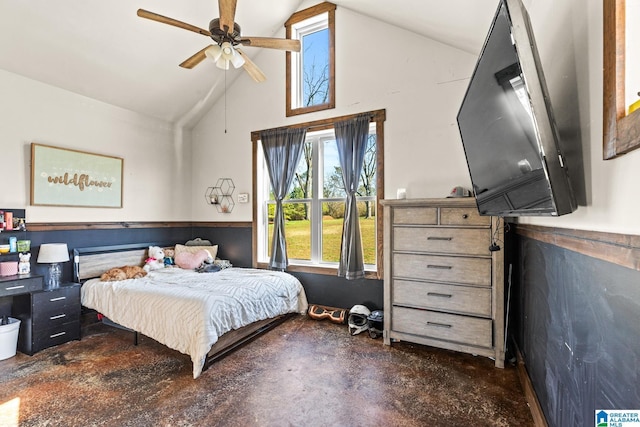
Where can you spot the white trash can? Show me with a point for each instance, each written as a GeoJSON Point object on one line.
{"type": "Point", "coordinates": [9, 338]}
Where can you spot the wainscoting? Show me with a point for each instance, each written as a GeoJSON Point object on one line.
{"type": "Point", "coordinates": [235, 244]}
{"type": "Point", "coordinates": [576, 319]}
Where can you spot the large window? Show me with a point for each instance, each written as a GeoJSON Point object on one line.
{"type": "Point", "coordinates": [310, 73]}
{"type": "Point", "coordinates": [314, 205]}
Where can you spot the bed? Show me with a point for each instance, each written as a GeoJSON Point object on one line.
{"type": "Point", "coordinates": [203, 315]}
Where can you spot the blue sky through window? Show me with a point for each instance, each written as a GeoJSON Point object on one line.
{"type": "Point", "coordinates": [315, 65]}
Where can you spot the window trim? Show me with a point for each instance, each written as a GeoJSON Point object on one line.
{"type": "Point", "coordinates": [379, 117]}
{"type": "Point", "coordinates": [300, 16]}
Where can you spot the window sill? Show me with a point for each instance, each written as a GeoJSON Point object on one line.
{"type": "Point", "coordinates": [327, 271]}
{"type": "Point", "coordinates": [311, 109]}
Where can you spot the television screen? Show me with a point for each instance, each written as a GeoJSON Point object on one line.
{"type": "Point", "coordinates": [506, 123]}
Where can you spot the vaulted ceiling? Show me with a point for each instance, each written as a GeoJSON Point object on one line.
{"type": "Point", "coordinates": [103, 50]}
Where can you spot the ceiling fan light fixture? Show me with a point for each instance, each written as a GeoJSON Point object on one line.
{"type": "Point", "coordinates": [213, 52]}
{"type": "Point", "coordinates": [227, 51]}
{"type": "Point", "coordinates": [222, 63]}
{"type": "Point", "coordinates": [237, 60]}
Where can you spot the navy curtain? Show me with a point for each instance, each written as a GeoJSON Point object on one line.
{"type": "Point", "coordinates": [282, 151]}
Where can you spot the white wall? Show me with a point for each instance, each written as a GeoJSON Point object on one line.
{"type": "Point", "coordinates": [418, 81]}
{"type": "Point", "coordinates": [156, 159]}
{"type": "Point", "coordinates": [569, 37]}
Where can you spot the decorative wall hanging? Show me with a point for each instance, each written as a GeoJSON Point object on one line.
{"type": "Point", "coordinates": [63, 177]}
{"type": "Point", "coordinates": [221, 195]}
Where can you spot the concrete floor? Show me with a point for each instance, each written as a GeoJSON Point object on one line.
{"type": "Point", "coordinates": [302, 373]}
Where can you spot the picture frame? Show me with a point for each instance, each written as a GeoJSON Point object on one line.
{"type": "Point", "coordinates": [621, 132]}
{"type": "Point", "coordinates": [67, 177]}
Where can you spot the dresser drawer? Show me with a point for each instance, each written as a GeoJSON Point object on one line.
{"type": "Point", "coordinates": [467, 241]}
{"type": "Point", "coordinates": [471, 271]}
{"type": "Point", "coordinates": [450, 327]}
{"type": "Point", "coordinates": [436, 296]}
{"type": "Point", "coordinates": [463, 216]}
{"type": "Point", "coordinates": [20, 285]}
{"type": "Point", "coordinates": [51, 318]}
{"type": "Point", "coordinates": [49, 337]}
{"type": "Point", "coordinates": [55, 300]}
{"type": "Point", "coordinates": [415, 215]}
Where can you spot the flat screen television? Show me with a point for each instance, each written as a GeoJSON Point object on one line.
{"type": "Point", "coordinates": [507, 126]}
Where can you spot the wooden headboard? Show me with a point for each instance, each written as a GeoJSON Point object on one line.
{"type": "Point", "coordinates": [93, 261]}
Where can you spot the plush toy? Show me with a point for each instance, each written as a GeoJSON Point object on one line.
{"type": "Point", "coordinates": [169, 255]}
{"type": "Point", "coordinates": [24, 266]}
{"type": "Point", "coordinates": [123, 273]}
{"type": "Point", "coordinates": [155, 260]}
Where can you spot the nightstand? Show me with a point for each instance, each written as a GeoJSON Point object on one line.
{"type": "Point", "coordinates": [49, 317]}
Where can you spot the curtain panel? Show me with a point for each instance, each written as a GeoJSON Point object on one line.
{"type": "Point", "coordinates": [282, 151]}
{"type": "Point", "coordinates": [351, 138]}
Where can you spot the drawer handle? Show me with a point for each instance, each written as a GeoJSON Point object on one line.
{"type": "Point", "coordinates": [439, 325]}
{"type": "Point", "coordinates": [442, 267]}
{"type": "Point", "coordinates": [59, 316]}
{"type": "Point", "coordinates": [59, 334]}
{"type": "Point", "coordinates": [14, 287]}
{"type": "Point", "coordinates": [57, 299]}
{"type": "Point", "coordinates": [436, 294]}
{"type": "Point", "coordinates": [465, 216]}
{"type": "Point", "coordinates": [439, 238]}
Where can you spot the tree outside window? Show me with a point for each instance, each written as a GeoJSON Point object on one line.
{"type": "Point", "coordinates": [313, 226]}
{"type": "Point", "coordinates": [310, 82]}
{"type": "Point", "coordinates": [314, 205]}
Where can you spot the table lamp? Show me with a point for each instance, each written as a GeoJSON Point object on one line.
{"type": "Point", "coordinates": [53, 254]}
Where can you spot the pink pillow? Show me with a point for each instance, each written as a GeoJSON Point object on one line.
{"type": "Point", "coordinates": [191, 261]}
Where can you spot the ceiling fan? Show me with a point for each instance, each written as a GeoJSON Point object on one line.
{"type": "Point", "coordinates": [228, 41]}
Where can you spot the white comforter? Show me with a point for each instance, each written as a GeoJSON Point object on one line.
{"type": "Point", "coordinates": [189, 311]}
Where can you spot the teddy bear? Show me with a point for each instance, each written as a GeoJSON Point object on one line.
{"type": "Point", "coordinates": [169, 254]}
{"type": "Point", "coordinates": [123, 273]}
{"type": "Point", "coordinates": [24, 266]}
{"type": "Point", "coordinates": [155, 259]}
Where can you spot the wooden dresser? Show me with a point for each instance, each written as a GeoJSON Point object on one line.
{"type": "Point", "coordinates": [443, 286]}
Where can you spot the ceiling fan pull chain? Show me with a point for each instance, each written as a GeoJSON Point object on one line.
{"type": "Point", "coordinates": [225, 101]}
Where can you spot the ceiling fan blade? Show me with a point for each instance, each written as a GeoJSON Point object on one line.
{"type": "Point", "coordinates": [227, 9]}
{"type": "Point", "coordinates": [170, 21]}
{"type": "Point", "coordinates": [251, 68]}
{"type": "Point", "coordinates": [272, 43]}
{"type": "Point", "coordinates": [195, 59]}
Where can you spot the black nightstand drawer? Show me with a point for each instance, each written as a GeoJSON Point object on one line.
{"type": "Point", "coordinates": [57, 335]}
{"type": "Point", "coordinates": [58, 296]}
{"type": "Point", "coordinates": [55, 316]}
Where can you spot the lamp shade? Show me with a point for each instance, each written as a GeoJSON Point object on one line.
{"type": "Point", "coordinates": [53, 252]}
{"type": "Point", "coordinates": [222, 63]}
{"type": "Point", "coordinates": [227, 51]}
{"type": "Point", "coordinates": [213, 52]}
{"type": "Point", "coordinates": [237, 60]}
